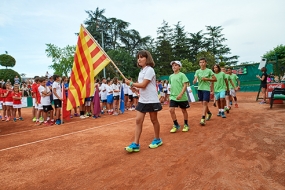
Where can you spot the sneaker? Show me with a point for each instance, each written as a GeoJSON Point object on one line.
{"type": "Point", "coordinates": [223, 115]}
{"type": "Point", "coordinates": [174, 128]}
{"type": "Point", "coordinates": [115, 113]}
{"type": "Point", "coordinates": [82, 117]}
{"type": "Point", "coordinates": [227, 110]}
{"type": "Point", "coordinates": [0, 116]}
{"type": "Point", "coordinates": [41, 119]}
{"type": "Point", "coordinates": [262, 102]}
{"type": "Point", "coordinates": [39, 123]}
{"type": "Point", "coordinates": [94, 116]}
{"type": "Point", "coordinates": [133, 147]}
{"type": "Point", "coordinates": [155, 143]}
{"type": "Point", "coordinates": [8, 119]}
{"type": "Point", "coordinates": [185, 128]}
{"type": "Point", "coordinates": [58, 122]}
{"type": "Point", "coordinates": [21, 119]}
{"type": "Point", "coordinates": [46, 123]}
{"type": "Point", "coordinates": [236, 105]}
{"type": "Point", "coordinates": [34, 119]}
{"type": "Point", "coordinates": [202, 122]}
{"type": "Point", "coordinates": [76, 115]}
{"type": "Point", "coordinates": [102, 112]}
{"type": "Point", "coordinates": [15, 120]}
{"type": "Point", "coordinates": [209, 115]}
{"type": "Point", "coordinates": [214, 104]}
{"type": "Point", "coordinates": [220, 113]}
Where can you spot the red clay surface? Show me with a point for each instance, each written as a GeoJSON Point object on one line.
{"type": "Point", "coordinates": [243, 151]}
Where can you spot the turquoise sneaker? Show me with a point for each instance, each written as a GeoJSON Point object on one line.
{"type": "Point", "coordinates": [133, 147]}
{"type": "Point", "coordinates": [155, 143]}
{"type": "Point", "coordinates": [219, 114]}
{"type": "Point", "coordinates": [174, 128]}
{"type": "Point", "coordinates": [223, 115]}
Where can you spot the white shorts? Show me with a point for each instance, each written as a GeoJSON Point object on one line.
{"type": "Point", "coordinates": [87, 103]}
{"type": "Point", "coordinates": [34, 102]}
{"type": "Point", "coordinates": [39, 106]}
{"type": "Point", "coordinates": [233, 92]}
{"type": "Point", "coordinates": [1, 102]}
{"type": "Point", "coordinates": [9, 103]}
{"type": "Point", "coordinates": [17, 105]}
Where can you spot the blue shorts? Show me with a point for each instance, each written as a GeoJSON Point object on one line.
{"type": "Point", "coordinates": [110, 99]}
{"type": "Point", "coordinates": [204, 95]}
{"type": "Point", "coordinates": [219, 95]}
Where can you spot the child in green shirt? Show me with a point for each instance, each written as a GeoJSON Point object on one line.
{"type": "Point", "coordinates": [178, 96]}
{"type": "Point", "coordinates": [204, 76]}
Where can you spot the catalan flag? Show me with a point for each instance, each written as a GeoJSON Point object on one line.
{"type": "Point", "coordinates": [89, 60]}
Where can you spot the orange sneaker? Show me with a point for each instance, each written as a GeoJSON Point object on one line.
{"type": "Point", "coordinates": [236, 105]}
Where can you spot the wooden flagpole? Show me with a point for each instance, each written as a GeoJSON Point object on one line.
{"type": "Point", "coordinates": [104, 52]}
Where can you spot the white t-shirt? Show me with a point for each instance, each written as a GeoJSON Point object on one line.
{"type": "Point", "coordinates": [168, 88]}
{"type": "Point", "coordinates": [126, 88]}
{"type": "Point", "coordinates": [130, 92]}
{"type": "Point", "coordinates": [45, 101]}
{"type": "Point", "coordinates": [103, 91]}
{"type": "Point", "coordinates": [149, 93]}
{"type": "Point", "coordinates": [109, 89]}
{"type": "Point", "coordinates": [57, 87]}
{"type": "Point", "coordinates": [116, 87]}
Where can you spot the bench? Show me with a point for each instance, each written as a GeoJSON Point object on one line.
{"type": "Point", "coordinates": [277, 94]}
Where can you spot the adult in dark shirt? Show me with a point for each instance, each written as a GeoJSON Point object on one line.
{"type": "Point", "coordinates": [263, 84]}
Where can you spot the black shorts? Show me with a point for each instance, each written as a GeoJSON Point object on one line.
{"type": "Point", "coordinates": [182, 104]}
{"type": "Point", "coordinates": [116, 97]}
{"type": "Point", "coordinates": [104, 101]}
{"type": "Point", "coordinates": [47, 108]}
{"type": "Point", "coordinates": [263, 86]}
{"type": "Point", "coordinates": [136, 97]}
{"type": "Point", "coordinates": [130, 98]}
{"type": "Point", "coordinates": [151, 107]}
{"type": "Point", "coordinates": [91, 98]}
{"type": "Point", "coordinates": [57, 103]}
{"type": "Point", "coordinates": [126, 95]}
{"type": "Point", "coordinates": [227, 93]}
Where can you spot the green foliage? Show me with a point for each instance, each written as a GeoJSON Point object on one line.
{"type": "Point", "coordinates": [9, 74]}
{"type": "Point", "coordinates": [188, 66]}
{"type": "Point", "coordinates": [209, 57]}
{"type": "Point", "coordinates": [62, 58]}
{"type": "Point", "coordinates": [7, 60]}
{"type": "Point", "coordinates": [124, 61]}
{"type": "Point", "coordinates": [278, 53]}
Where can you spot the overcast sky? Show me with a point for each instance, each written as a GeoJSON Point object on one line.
{"type": "Point", "coordinates": [252, 27]}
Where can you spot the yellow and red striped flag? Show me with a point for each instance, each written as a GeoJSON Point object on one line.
{"type": "Point", "coordinates": [89, 60]}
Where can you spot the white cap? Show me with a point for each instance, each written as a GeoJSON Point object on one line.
{"type": "Point", "coordinates": [177, 62]}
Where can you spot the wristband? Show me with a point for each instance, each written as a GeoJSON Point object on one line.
{"type": "Point", "coordinates": [131, 84]}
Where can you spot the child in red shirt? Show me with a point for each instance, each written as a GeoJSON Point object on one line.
{"type": "Point", "coordinates": [8, 101]}
{"type": "Point", "coordinates": [17, 103]}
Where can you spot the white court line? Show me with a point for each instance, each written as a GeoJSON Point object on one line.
{"type": "Point", "coordinates": [67, 134]}
{"type": "Point", "coordinates": [47, 127]}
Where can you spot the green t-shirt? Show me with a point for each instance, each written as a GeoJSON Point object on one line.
{"type": "Point", "coordinates": [207, 73]}
{"type": "Point", "coordinates": [233, 78]}
{"type": "Point", "coordinates": [177, 82]}
{"type": "Point", "coordinates": [220, 84]}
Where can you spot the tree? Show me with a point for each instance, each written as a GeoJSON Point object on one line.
{"type": "Point", "coordinates": [163, 52]}
{"type": "Point", "coordinates": [188, 66]}
{"type": "Point", "coordinates": [196, 44]}
{"type": "Point", "coordinates": [7, 60]}
{"type": "Point", "coordinates": [62, 58]}
{"type": "Point", "coordinates": [124, 61]}
{"type": "Point", "coordinates": [214, 41]}
{"type": "Point", "coordinates": [278, 53]}
{"type": "Point", "coordinates": [9, 74]}
{"type": "Point", "coordinates": [180, 43]}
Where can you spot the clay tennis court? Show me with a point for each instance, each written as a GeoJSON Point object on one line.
{"type": "Point", "coordinates": [243, 151]}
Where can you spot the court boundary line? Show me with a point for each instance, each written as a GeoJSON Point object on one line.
{"type": "Point", "coordinates": [64, 135]}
